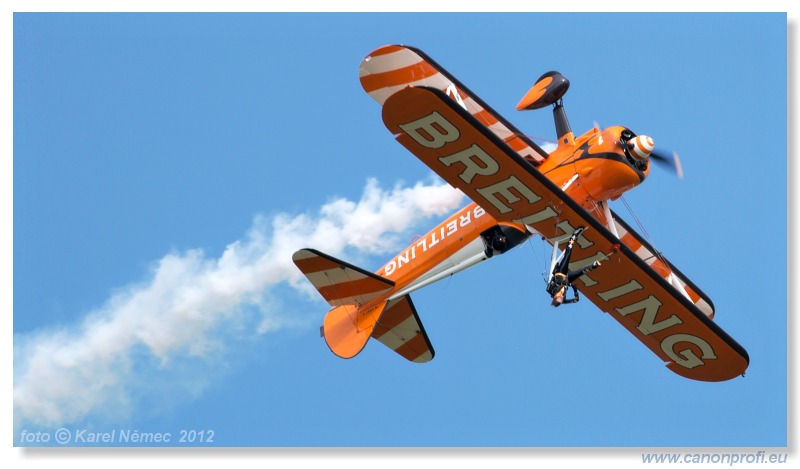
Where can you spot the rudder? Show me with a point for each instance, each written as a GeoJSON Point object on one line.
{"type": "Point", "coordinates": [347, 328]}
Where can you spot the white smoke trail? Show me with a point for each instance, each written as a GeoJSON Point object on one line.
{"type": "Point", "coordinates": [188, 307]}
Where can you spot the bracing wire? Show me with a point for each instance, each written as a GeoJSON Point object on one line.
{"type": "Point", "coordinates": [539, 262]}
{"type": "Point", "coordinates": [643, 230]}
{"type": "Point", "coordinates": [636, 219]}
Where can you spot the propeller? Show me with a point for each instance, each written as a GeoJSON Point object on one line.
{"type": "Point", "coordinates": [668, 161]}
{"type": "Point", "coordinates": [641, 147]}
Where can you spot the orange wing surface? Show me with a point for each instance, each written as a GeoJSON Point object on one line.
{"type": "Point", "coordinates": [472, 158]}
{"type": "Point", "coordinates": [389, 69]}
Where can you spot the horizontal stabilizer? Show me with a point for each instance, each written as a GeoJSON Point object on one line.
{"type": "Point", "coordinates": [400, 329]}
{"type": "Point", "coordinates": [338, 282]}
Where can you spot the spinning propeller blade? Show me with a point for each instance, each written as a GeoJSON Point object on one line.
{"type": "Point", "coordinates": [670, 161]}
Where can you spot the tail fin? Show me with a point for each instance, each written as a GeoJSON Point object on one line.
{"type": "Point", "coordinates": [347, 328]}
{"type": "Point", "coordinates": [353, 320]}
{"type": "Point", "coordinates": [349, 289]}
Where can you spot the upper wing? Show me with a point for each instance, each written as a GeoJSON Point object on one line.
{"type": "Point", "coordinates": [453, 143]}
{"type": "Point", "coordinates": [389, 69]}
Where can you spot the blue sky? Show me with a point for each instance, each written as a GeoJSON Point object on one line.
{"type": "Point", "coordinates": [154, 150]}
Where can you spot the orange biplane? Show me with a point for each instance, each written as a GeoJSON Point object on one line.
{"type": "Point", "coordinates": [517, 190]}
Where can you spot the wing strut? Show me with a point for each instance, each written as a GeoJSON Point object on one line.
{"type": "Point", "coordinates": [612, 227]}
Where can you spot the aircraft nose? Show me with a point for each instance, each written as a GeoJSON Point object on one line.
{"type": "Point", "coordinates": [641, 146]}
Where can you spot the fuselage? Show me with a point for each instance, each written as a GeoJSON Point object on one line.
{"type": "Point", "coordinates": [466, 238]}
